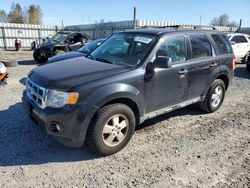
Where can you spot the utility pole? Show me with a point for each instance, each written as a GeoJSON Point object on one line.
{"type": "Point", "coordinates": [240, 25]}
{"type": "Point", "coordinates": [62, 23]}
{"type": "Point", "coordinates": [134, 18]}
{"type": "Point", "coordinates": [200, 19]}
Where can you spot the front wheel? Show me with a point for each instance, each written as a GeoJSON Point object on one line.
{"type": "Point", "coordinates": [111, 129]}
{"type": "Point", "coordinates": [214, 97]}
{"type": "Point", "coordinates": [40, 56]}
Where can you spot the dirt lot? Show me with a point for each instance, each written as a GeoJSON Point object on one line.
{"type": "Point", "coordinates": [185, 148]}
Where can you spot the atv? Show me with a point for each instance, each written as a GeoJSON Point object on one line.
{"type": "Point", "coordinates": [3, 74]}
{"type": "Point", "coordinates": [63, 41]}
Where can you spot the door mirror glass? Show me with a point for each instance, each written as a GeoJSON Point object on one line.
{"type": "Point", "coordinates": [163, 62]}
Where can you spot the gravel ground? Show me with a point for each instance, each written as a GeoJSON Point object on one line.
{"type": "Point", "coordinates": [185, 148]}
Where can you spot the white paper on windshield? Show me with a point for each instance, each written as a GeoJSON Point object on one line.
{"type": "Point", "coordinates": [143, 40]}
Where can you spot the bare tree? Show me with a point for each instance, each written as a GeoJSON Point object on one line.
{"type": "Point", "coordinates": [223, 20]}
{"type": "Point", "coordinates": [3, 16]}
{"type": "Point", "coordinates": [16, 14]}
{"type": "Point", "coordinates": [34, 14]}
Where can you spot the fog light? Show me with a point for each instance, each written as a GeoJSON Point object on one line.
{"type": "Point", "coordinates": [55, 127]}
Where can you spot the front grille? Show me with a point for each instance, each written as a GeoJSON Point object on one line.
{"type": "Point", "coordinates": [36, 93]}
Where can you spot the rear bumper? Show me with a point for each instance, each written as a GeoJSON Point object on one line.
{"type": "Point", "coordinates": [63, 124]}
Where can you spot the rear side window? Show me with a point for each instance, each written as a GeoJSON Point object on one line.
{"type": "Point", "coordinates": [239, 39]}
{"type": "Point", "coordinates": [200, 46]}
{"type": "Point", "coordinates": [222, 43]}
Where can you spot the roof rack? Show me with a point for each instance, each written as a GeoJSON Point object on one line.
{"type": "Point", "coordinates": [200, 27]}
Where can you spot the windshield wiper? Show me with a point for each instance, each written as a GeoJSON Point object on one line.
{"type": "Point", "coordinates": [104, 60]}
{"type": "Point", "coordinates": [91, 56]}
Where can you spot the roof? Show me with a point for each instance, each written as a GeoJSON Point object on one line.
{"type": "Point", "coordinates": [78, 32]}
{"type": "Point", "coordinates": [163, 31]}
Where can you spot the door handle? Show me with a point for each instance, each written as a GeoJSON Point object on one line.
{"type": "Point", "coordinates": [183, 71]}
{"type": "Point", "coordinates": [213, 64]}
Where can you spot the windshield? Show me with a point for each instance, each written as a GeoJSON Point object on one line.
{"type": "Point", "coordinates": [90, 47]}
{"type": "Point", "coordinates": [127, 49]}
{"type": "Point", "coordinates": [59, 37]}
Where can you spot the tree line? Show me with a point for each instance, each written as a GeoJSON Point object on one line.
{"type": "Point", "coordinates": [30, 15]}
{"type": "Point", "coordinates": [223, 20]}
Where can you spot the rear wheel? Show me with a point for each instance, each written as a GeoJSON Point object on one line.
{"type": "Point", "coordinates": [214, 97]}
{"type": "Point", "coordinates": [111, 129]}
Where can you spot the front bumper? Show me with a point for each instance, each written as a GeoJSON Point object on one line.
{"type": "Point", "coordinates": [67, 118]}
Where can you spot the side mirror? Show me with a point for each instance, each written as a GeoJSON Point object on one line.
{"type": "Point", "coordinates": [232, 42]}
{"type": "Point", "coordinates": [159, 62]}
{"type": "Point", "coordinates": [163, 62]}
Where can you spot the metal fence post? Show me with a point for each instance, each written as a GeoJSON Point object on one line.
{"type": "Point", "coordinates": [4, 39]}
{"type": "Point", "coordinates": [39, 36]}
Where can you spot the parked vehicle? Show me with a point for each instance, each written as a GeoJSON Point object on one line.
{"type": "Point", "coordinates": [133, 76]}
{"type": "Point", "coordinates": [241, 46]}
{"type": "Point", "coordinates": [83, 51]}
{"type": "Point", "coordinates": [18, 44]}
{"type": "Point", "coordinates": [3, 74]}
{"type": "Point", "coordinates": [63, 41]}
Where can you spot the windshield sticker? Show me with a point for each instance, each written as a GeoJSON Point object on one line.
{"type": "Point", "coordinates": [143, 40]}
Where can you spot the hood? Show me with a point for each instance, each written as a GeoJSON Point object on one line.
{"type": "Point", "coordinates": [65, 56]}
{"type": "Point", "coordinates": [49, 43]}
{"type": "Point", "coordinates": [63, 75]}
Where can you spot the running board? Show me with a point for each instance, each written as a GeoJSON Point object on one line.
{"type": "Point", "coordinates": [169, 109]}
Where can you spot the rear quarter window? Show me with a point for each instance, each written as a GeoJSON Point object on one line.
{"type": "Point", "coordinates": [222, 43]}
{"type": "Point", "coordinates": [200, 46]}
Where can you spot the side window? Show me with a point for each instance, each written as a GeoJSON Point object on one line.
{"type": "Point", "coordinates": [242, 39]}
{"type": "Point", "coordinates": [239, 39]}
{"type": "Point", "coordinates": [222, 43]}
{"type": "Point", "coordinates": [173, 47]}
{"type": "Point", "coordinates": [200, 46]}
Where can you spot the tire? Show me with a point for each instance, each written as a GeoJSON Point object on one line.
{"type": "Point", "coordinates": [10, 63]}
{"type": "Point", "coordinates": [217, 91]}
{"type": "Point", "coordinates": [39, 57]}
{"type": "Point", "coordinates": [248, 67]}
{"type": "Point", "coordinates": [245, 59]}
{"type": "Point", "coordinates": [103, 135]}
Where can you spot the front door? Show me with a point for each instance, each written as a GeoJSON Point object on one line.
{"type": "Point", "coordinates": [168, 86]}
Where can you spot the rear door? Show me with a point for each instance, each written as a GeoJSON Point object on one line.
{"type": "Point", "coordinates": [201, 64]}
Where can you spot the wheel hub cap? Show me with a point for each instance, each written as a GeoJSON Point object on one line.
{"type": "Point", "coordinates": [217, 96]}
{"type": "Point", "coordinates": [115, 130]}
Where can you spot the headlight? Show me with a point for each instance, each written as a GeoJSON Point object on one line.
{"type": "Point", "coordinates": [58, 99]}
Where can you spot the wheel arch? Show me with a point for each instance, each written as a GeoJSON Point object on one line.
{"type": "Point", "coordinates": [128, 102]}
{"type": "Point", "coordinates": [130, 97]}
{"type": "Point", "coordinates": [225, 79]}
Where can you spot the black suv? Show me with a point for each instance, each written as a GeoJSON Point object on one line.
{"type": "Point", "coordinates": [61, 42]}
{"type": "Point", "coordinates": [131, 77]}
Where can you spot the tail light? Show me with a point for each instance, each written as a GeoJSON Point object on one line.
{"type": "Point", "coordinates": [234, 63]}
